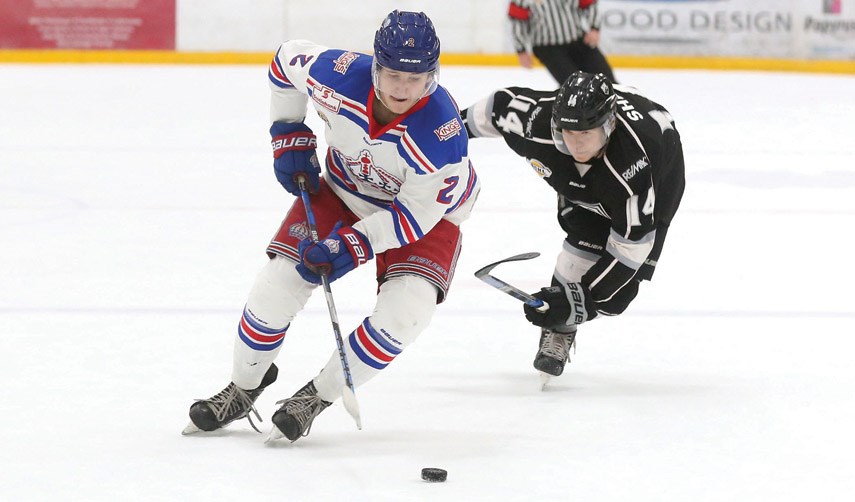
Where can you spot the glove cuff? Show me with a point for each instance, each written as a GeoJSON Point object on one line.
{"type": "Point", "coordinates": [579, 298]}
{"type": "Point", "coordinates": [298, 141]}
{"type": "Point", "coordinates": [357, 244]}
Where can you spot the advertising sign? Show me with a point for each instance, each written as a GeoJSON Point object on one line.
{"type": "Point", "coordinates": [745, 28]}
{"type": "Point", "coordinates": [87, 24]}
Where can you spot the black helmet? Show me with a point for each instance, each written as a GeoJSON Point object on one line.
{"type": "Point", "coordinates": [583, 102]}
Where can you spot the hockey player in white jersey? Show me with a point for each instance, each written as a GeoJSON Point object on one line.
{"type": "Point", "coordinates": [397, 185]}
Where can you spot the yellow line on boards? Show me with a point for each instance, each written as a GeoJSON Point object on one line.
{"type": "Point", "coordinates": [618, 61]}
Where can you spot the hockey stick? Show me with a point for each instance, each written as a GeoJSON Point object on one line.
{"type": "Point", "coordinates": [484, 275]}
{"type": "Point", "coordinates": [348, 395]}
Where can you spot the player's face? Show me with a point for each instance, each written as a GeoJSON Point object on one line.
{"type": "Point", "coordinates": [400, 90]}
{"type": "Point", "coordinates": [584, 145]}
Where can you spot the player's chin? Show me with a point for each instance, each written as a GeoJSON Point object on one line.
{"type": "Point", "coordinates": [582, 156]}
{"type": "Point", "coordinates": [398, 105]}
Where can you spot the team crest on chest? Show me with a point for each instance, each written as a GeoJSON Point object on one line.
{"type": "Point", "coordinates": [364, 169]}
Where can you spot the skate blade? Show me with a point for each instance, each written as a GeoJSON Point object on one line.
{"type": "Point", "coordinates": [274, 435]}
{"type": "Point", "coordinates": [190, 429]}
{"type": "Point", "coordinates": [544, 379]}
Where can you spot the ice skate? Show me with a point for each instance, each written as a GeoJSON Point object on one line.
{"type": "Point", "coordinates": [553, 354]}
{"type": "Point", "coordinates": [294, 418]}
{"type": "Point", "coordinates": [232, 403]}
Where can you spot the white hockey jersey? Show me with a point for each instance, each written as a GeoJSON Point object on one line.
{"type": "Point", "coordinates": [399, 179]}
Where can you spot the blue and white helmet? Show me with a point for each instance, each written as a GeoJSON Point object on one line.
{"type": "Point", "coordinates": [407, 42]}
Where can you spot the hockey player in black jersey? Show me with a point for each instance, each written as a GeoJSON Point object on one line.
{"type": "Point", "coordinates": [615, 159]}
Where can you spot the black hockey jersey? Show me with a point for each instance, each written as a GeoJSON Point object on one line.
{"type": "Point", "coordinates": [635, 186]}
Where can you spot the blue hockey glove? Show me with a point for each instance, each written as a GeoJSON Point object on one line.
{"type": "Point", "coordinates": [294, 153]}
{"type": "Point", "coordinates": [568, 305]}
{"type": "Point", "coordinates": [342, 251]}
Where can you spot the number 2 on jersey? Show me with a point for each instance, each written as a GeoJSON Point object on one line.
{"type": "Point", "coordinates": [444, 196]}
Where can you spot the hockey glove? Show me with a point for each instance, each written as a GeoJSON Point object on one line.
{"type": "Point", "coordinates": [568, 305]}
{"type": "Point", "coordinates": [342, 251]}
{"type": "Point", "coordinates": [294, 153]}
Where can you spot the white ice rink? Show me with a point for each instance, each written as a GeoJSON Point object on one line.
{"type": "Point", "coordinates": [135, 206]}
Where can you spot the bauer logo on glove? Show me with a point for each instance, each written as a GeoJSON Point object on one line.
{"type": "Point", "coordinates": [344, 249]}
{"type": "Point", "coordinates": [292, 141]}
{"type": "Point", "coordinates": [569, 305]}
{"type": "Point", "coordinates": [294, 156]}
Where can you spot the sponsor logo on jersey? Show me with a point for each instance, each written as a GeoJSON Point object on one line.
{"type": "Point", "coordinates": [635, 168]}
{"type": "Point", "coordinates": [530, 123]}
{"type": "Point", "coordinates": [540, 169]}
{"type": "Point", "coordinates": [325, 97]}
{"type": "Point", "coordinates": [448, 130]}
{"type": "Point", "coordinates": [299, 230]}
{"type": "Point", "coordinates": [342, 63]}
{"type": "Point", "coordinates": [574, 184]}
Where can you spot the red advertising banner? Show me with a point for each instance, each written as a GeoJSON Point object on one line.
{"type": "Point", "coordinates": [87, 24]}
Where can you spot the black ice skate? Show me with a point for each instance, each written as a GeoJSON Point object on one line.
{"type": "Point", "coordinates": [554, 353]}
{"type": "Point", "coordinates": [232, 403]}
{"type": "Point", "coordinates": [294, 418]}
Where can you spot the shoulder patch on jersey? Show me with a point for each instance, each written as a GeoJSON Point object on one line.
{"type": "Point", "coordinates": [448, 130]}
{"type": "Point", "coordinates": [342, 63]}
{"type": "Point", "coordinates": [635, 168]}
{"type": "Point", "coordinates": [326, 97]}
{"type": "Point", "coordinates": [540, 168]}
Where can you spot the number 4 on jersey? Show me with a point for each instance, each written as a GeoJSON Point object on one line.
{"type": "Point", "coordinates": [632, 206]}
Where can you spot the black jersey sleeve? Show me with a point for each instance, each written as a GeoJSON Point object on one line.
{"type": "Point", "coordinates": [519, 115]}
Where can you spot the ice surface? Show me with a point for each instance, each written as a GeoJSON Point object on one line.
{"type": "Point", "coordinates": [135, 206]}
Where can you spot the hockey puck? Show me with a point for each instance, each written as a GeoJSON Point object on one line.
{"type": "Point", "coordinates": [434, 475]}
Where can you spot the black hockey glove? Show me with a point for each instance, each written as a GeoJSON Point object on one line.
{"type": "Point", "coordinates": [568, 305]}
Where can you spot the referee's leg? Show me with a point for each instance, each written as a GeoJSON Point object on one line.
{"type": "Point", "coordinates": [558, 61]}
